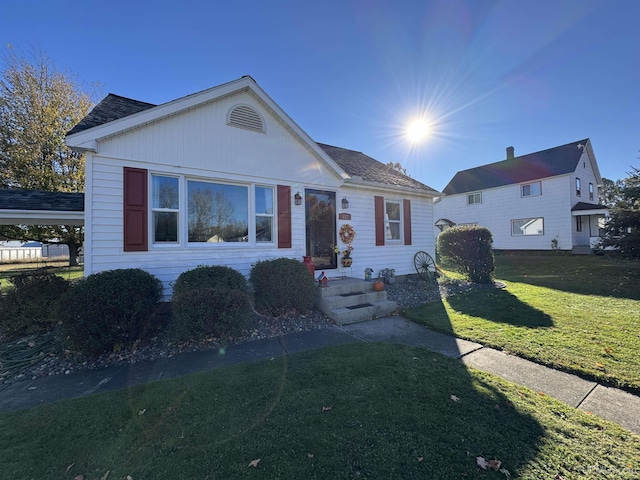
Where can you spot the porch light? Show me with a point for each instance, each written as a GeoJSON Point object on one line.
{"type": "Point", "coordinates": [298, 198]}
{"type": "Point", "coordinates": [345, 203]}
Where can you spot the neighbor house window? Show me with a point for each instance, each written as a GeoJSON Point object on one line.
{"type": "Point", "coordinates": [217, 212]}
{"type": "Point", "coordinates": [474, 198]}
{"type": "Point", "coordinates": [392, 220]}
{"type": "Point", "coordinates": [590, 191]}
{"type": "Point", "coordinates": [577, 187]}
{"type": "Point", "coordinates": [165, 208]}
{"type": "Point", "coordinates": [531, 189]}
{"type": "Point", "coordinates": [527, 226]}
{"type": "Point", "coordinates": [264, 214]}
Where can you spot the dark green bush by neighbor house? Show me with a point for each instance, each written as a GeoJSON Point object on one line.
{"type": "Point", "coordinates": [29, 307]}
{"type": "Point", "coordinates": [209, 300]}
{"type": "Point", "coordinates": [469, 250]}
{"type": "Point", "coordinates": [281, 286]}
{"type": "Point", "coordinates": [109, 310]}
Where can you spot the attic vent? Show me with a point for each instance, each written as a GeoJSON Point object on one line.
{"type": "Point", "coordinates": [244, 116]}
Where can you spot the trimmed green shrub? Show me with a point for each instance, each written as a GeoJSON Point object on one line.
{"type": "Point", "coordinates": [209, 300]}
{"type": "Point", "coordinates": [109, 310]}
{"type": "Point", "coordinates": [281, 286]}
{"type": "Point", "coordinates": [29, 307]}
{"type": "Point", "coordinates": [469, 250]}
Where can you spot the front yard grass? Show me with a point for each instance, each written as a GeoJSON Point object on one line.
{"type": "Point", "coordinates": [351, 411]}
{"type": "Point", "coordinates": [60, 268]}
{"type": "Point", "coordinates": [574, 313]}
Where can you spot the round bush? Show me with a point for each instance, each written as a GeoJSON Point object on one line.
{"type": "Point", "coordinates": [469, 250]}
{"type": "Point", "coordinates": [210, 276]}
{"type": "Point", "coordinates": [30, 306]}
{"type": "Point", "coordinates": [282, 286]}
{"type": "Point", "coordinates": [209, 311]}
{"type": "Point", "coordinates": [109, 310]}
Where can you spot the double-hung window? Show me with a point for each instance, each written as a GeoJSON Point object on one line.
{"type": "Point", "coordinates": [531, 189]}
{"type": "Point", "coordinates": [474, 198]}
{"type": "Point", "coordinates": [392, 220]}
{"type": "Point", "coordinates": [590, 191]}
{"type": "Point", "coordinates": [165, 208]}
{"type": "Point", "coordinates": [578, 187]}
{"type": "Point", "coordinates": [264, 214]}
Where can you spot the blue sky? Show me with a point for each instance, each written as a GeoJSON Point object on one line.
{"type": "Point", "coordinates": [487, 73]}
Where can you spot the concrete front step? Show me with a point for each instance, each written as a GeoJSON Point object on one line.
{"type": "Point", "coordinates": [581, 250]}
{"type": "Point", "coordinates": [350, 300]}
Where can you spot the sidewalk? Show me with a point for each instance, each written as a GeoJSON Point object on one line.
{"type": "Point", "coordinates": [609, 403]}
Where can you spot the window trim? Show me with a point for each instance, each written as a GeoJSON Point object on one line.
{"type": "Point", "coordinates": [530, 184]}
{"type": "Point", "coordinates": [387, 221]}
{"type": "Point", "coordinates": [530, 220]}
{"type": "Point", "coordinates": [272, 215]}
{"type": "Point", "coordinates": [473, 195]}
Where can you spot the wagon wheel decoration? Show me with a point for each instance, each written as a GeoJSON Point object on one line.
{"type": "Point", "coordinates": [426, 267]}
{"type": "Point", "coordinates": [347, 233]}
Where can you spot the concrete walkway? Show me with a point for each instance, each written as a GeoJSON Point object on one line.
{"type": "Point", "coordinates": [608, 403]}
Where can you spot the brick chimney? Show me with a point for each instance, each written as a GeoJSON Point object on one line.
{"type": "Point", "coordinates": [510, 153]}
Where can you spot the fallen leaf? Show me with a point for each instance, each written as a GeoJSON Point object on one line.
{"type": "Point", "coordinates": [309, 455]}
{"type": "Point", "coordinates": [78, 477]}
{"type": "Point", "coordinates": [482, 463]}
{"type": "Point", "coordinates": [454, 398]}
{"type": "Point", "coordinates": [542, 394]}
{"type": "Point", "coordinates": [558, 477]}
{"type": "Point", "coordinates": [326, 408]}
{"type": "Point", "coordinates": [599, 365]}
{"type": "Point", "coordinates": [495, 465]}
{"type": "Point", "coordinates": [141, 412]}
{"type": "Point", "coordinates": [104, 477]}
{"type": "Point", "coordinates": [254, 463]}
{"type": "Point", "coordinates": [521, 394]}
{"type": "Point", "coordinates": [129, 477]}
{"type": "Point", "coordinates": [420, 459]}
{"type": "Point", "coordinates": [505, 472]}
{"type": "Point", "coordinates": [69, 467]}
{"type": "Point", "coordinates": [608, 350]}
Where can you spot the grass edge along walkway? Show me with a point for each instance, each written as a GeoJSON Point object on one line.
{"type": "Point", "coordinates": [370, 410]}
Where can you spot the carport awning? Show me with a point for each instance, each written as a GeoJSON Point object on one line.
{"type": "Point", "coordinates": [35, 207]}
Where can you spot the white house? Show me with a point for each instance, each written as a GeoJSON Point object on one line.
{"type": "Point", "coordinates": [539, 201]}
{"type": "Point", "coordinates": [226, 177]}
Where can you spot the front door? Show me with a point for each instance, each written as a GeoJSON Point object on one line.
{"type": "Point", "coordinates": [320, 214]}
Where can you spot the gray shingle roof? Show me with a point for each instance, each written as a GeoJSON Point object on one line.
{"type": "Point", "coordinates": [587, 206]}
{"type": "Point", "coordinates": [534, 166]}
{"type": "Point", "coordinates": [112, 107]}
{"type": "Point", "coordinates": [21, 199]}
{"type": "Point", "coordinates": [370, 169]}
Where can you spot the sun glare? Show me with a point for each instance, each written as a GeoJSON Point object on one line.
{"type": "Point", "coordinates": [418, 130]}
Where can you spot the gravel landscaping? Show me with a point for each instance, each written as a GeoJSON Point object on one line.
{"type": "Point", "coordinates": [43, 355]}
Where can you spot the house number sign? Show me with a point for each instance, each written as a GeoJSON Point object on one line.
{"type": "Point", "coordinates": [344, 216]}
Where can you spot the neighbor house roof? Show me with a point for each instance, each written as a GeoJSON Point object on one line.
{"type": "Point", "coordinates": [583, 208]}
{"type": "Point", "coordinates": [35, 207]}
{"type": "Point", "coordinates": [353, 163]}
{"type": "Point", "coordinates": [533, 166]}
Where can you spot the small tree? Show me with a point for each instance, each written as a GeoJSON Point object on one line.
{"type": "Point", "coordinates": [469, 250]}
{"type": "Point", "coordinates": [622, 230]}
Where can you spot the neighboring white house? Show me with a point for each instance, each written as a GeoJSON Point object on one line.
{"type": "Point", "coordinates": [226, 177]}
{"type": "Point", "coordinates": [539, 201]}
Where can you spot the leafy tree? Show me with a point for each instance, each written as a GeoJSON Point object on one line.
{"type": "Point", "coordinates": [397, 166]}
{"type": "Point", "coordinates": [38, 106]}
{"type": "Point", "coordinates": [622, 230]}
{"type": "Point", "coordinates": [610, 192]}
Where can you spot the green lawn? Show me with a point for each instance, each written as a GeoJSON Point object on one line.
{"type": "Point", "coordinates": [575, 313]}
{"type": "Point", "coordinates": [352, 411]}
{"type": "Point", "coordinates": [61, 268]}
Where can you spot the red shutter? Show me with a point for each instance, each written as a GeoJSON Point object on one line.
{"type": "Point", "coordinates": [284, 216]}
{"type": "Point", "coordinates": [135, 210]}
{"type": "Point", "coordinates": [379, 219]}
{"type": "Point", "coordinates": [406, 213]}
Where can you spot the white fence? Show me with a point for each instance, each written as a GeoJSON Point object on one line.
{"type": "Point", "coordinates": [9, 254]}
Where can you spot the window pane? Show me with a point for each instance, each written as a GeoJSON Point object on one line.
{"type": "Point", "coordinates": [264, 200]}
{"type": "Point", "coordinates": [264, 229]}
{"type": "Point", "coordinates": [393, 211]}
{"type": "Point", "coordinates": [217, 212]}
{"type": "Point", "coordinates": [165, 227]}
{"type": "Point", "coordinates": [527, 226]}
{"type": "Point", "coordinates": [165, 192]}
{"type": "Point", "coordinates": [393, 231]}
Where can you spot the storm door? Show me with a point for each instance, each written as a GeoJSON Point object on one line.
{"type": "Point", "coordinates": [320, 215]}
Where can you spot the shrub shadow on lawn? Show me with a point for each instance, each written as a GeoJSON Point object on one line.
{"type": "Point", "coordinates": [499, 306]}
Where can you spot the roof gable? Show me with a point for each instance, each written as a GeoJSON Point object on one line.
{"type": "Point", "coordinates": [525, 168]}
